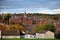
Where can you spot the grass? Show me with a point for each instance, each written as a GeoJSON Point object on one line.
{"type": "Point", "coordinates": [26, 39]}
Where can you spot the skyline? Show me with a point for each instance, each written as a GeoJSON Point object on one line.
{"type": "Point", "coordinates": [17, 6]}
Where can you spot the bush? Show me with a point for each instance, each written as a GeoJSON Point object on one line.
{"type": "Point", "coordinates": [57, 35]}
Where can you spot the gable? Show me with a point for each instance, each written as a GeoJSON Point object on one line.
{"type": "Point", "coordinates": [49, 32]}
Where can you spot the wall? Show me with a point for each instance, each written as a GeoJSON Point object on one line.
{"type": "Point", "coordinates": [10, 36]}
{"type": "Point", "coordinates": [45, 35]}
{"type": "Point", "coordinates": [29, 36]}
{"type": "Point", "coordinates": [0, 34]}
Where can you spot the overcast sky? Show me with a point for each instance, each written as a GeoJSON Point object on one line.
{"type": "Point", "coordinates": [46, 6]}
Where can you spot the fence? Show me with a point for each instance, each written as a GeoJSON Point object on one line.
{"type": "Point", "coordinates": [10, 34]}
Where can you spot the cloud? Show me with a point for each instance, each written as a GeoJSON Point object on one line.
{"type": "Point", "coordinates": [31, 10]}
{"type": "Point", "coordinates": [12, 10]}
{"type": "Point", "coordinates": [57, 11]}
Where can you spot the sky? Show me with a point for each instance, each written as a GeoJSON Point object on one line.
{"type": "Point", "coordinates": [38, 6]}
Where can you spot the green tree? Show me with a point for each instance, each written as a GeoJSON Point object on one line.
{"type": "Point", "coordinates": [1, 19]}
{"type": "Point", "coordinates": [56, 17]}
{"type": "Point", "coordinates": [37, 28]}
{"type": "Point", "coordinates": [6, 19]}
{"type": "Point", "coordinates": [49, 26]}
{"type": "Point", "coordinates": [46, 26]}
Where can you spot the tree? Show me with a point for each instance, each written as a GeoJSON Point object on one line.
{"type": "Point", "coordinates": [3, 27]}
{"type": "Point", "coordinates": [56, 17]}
{"type": "Point", "coordinates": [46, 26]}
{"type": "Point", "coordinates": [21, 26]}
{"type": "Point", "coordinates": [49, 26]}
{"type": "Point", "coordinates": [16, 27]}
{"type": "Point", "coordinates": [37, 28]}
{"type": "Point", "coordinates": [13, 27]}
{"type": "Point", "coordinates": [6, 19]}
{"type": "Point", "coordinates": [1, 19]}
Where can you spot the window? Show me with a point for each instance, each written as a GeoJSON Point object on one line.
{"type": "Point", "coordinates": [26, 36]}
{"type": "Point", "coordinates": [30, 36]}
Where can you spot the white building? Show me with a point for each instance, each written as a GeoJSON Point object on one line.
{"type": "Point", "coordinates": [0, 34]}
{"type": "Point", "coordinates": [44, 34]}
{"type": "Point", "coordinates": [29, 36]}
{"type": "Point", "coordinates": [49, 34]}
{"type": "Point", "coordinates": [39, 35]}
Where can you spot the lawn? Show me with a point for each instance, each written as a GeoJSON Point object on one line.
{"type": "Point", "coordinates": [27, 39]}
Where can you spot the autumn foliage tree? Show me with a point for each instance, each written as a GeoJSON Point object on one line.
{"type": "Point", "coordinates": [3, 27]}
{"type": "Point", "coordinates": [16, 27]}
{"type": "Point", "coordinates": [13, 27]}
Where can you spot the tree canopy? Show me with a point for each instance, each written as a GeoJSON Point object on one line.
{"type": "Point", "coordinates": [16, 27]}
{"type": "Point", "coordinates": [6, 19]}
{"type": "Point", "coordinates": [46, 26]}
